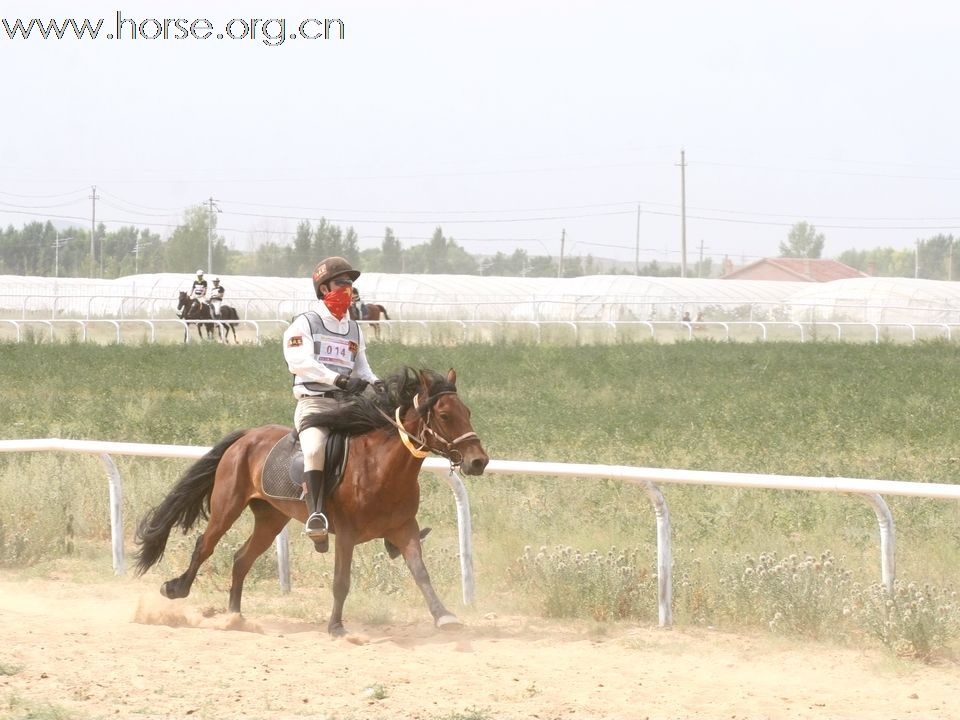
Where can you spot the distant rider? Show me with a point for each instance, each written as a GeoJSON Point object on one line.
{"type": "Point", "coordinates": [325, 351]}
{"type": "Point", "coordinates": [199, 290]}
{"type": "Point", "coordinates": [216, 297]}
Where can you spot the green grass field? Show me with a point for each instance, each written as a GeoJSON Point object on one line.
{"type": "Point", "coordinates": [561, 546]}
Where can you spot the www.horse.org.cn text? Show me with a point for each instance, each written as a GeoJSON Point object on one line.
{"type": "Point", "coordinates": [272, 32]}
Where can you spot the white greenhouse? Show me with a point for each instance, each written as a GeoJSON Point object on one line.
{"type": "Point", "coordinates": [603, 298]}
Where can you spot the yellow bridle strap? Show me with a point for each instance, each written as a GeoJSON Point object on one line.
{"type": "Point", "coordinates": [405, 439]}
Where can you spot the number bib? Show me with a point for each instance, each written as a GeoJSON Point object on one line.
{"type": "Point", "coordinates": [336, 351]}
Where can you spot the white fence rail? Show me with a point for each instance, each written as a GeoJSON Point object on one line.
{"type": "Point", "coordinates": [613, 306]}
{"type": "Point", "coordinates": [872, 491]}
{"type": "Point", "coordinates": [583, 332]}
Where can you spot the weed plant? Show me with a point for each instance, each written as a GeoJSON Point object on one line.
{"type": "Point", "coordinates": [817, 409]}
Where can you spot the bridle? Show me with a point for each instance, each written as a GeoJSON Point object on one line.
{"type": "Point", "coordinates": [446, 448]}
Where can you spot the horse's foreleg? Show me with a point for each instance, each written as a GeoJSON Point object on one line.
{"type": "Point", "coordinates": [343, 559]}
{"type": "Point", "coordinates": [268, 522]}
{"type": "Point", "coordinates": [409, 543]}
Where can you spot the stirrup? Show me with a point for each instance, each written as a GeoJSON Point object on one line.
{"type": "Point", "coordinates": [316, 525]}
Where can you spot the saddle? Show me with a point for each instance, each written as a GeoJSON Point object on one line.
{"type": "Point", "coordinates": [282, 474]}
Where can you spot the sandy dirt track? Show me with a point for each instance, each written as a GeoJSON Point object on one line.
{"type": "Point", "coordinates": [120, 650]}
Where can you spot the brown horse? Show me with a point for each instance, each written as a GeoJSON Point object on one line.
{"type": "Point", "coordinates": [373, 312]}
{"type": "Point", "coordinates": [378, 496]}
{"type": "Point", "coordinates": [368, 311]}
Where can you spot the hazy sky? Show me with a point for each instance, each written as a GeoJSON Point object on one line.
{"type": "Point", "coordinates": [503, 122]}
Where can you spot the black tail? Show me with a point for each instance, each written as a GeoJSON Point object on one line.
{"type": "Point", "coordinates": [189, 499]}
{"type": "Point", "coordinates": [383, 311]}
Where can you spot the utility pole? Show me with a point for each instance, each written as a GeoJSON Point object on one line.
{"type": "Point", "coordinates": [636, 258]}
{"type": "Point", "coordinates": [93, 231]}
{"type": "Point", "coordinates": [916, 261]}
{"type": "Point", "coordinates": [210, 236]}
{"type": "Point", "coordinates": [136, 257]}
{"type": "Point", "coordinates": [700, 264]}
{"type": "Point", "coordinates": [683, 214]}
{"type": "Point", "coordinates": [56, 253]}
{"type": "Point", "coordinates": [950, 261]}
{"type": "Point", "coordinates": [563, 239]}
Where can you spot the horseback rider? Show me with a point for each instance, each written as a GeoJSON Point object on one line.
{"type": "Point", "coordinates": [198, 291]}
{"type": "Point", "coordinates": [325, 351]}
{"type": "Point", "coordinates": [354, 309]}
{"type": "Point", "coordinates": [216, 297]}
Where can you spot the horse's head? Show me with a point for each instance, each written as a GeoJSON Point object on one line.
{"type": "Point", "coordinates": [446, 423]}
{"type": "Point", "coordinates": [184, 302]}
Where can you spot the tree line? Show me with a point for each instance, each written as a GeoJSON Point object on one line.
{"type": "Point", "coordinates": [933, 258]}
{"type": "Point", "coordinates": [39, 249]}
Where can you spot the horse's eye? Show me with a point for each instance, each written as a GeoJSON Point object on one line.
{"type": "Point", "coordinates": [444, 417]}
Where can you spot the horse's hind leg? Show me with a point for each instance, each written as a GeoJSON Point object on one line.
{"type": "Point", "coordinates": [408, 540]}
{"type": "Point", "coordinates": [221, 518]}
{"type": "Point", "coordinates": [268, 522]}
{"type": "Point", "coordinates": [179, 587]}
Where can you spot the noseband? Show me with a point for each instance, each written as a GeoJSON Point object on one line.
{"type": "Point", "coordinates": [448, 449]}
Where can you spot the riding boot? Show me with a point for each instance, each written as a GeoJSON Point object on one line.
{"type": "Point", "coordinates": [316, 525]}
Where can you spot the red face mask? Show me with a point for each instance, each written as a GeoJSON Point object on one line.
{"type": "Point", "coordinates": [338, 301]}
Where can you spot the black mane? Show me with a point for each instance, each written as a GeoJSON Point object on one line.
{"type": "Point", "coordinates": [358, 414]}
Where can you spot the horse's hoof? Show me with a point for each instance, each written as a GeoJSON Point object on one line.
{"type": "Point", "coordinates": [448, 622]}
{"type": "Point", "coordinates": [337, 631]}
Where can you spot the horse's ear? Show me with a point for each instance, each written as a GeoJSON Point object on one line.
{"type": "Point", "coordinates": [452, 377]}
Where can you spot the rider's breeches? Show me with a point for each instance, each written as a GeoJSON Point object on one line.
{"type": "Point", "coordinates": [313, 440]}
{"type": "Point", "coordinates": [215, 307]}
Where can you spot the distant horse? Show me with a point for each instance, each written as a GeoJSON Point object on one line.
{"type": "Point", "coordinates": [196, 310]}
{"type": "Point", "coordinates": [373, 312]}
{"type": "Point", "coordinates": [192, 309]}
{"type": "Point", "coordinates": [368, 311]}
{"type": "Point", "coordinates": [377, 497]}
{"type": "Point", "coordinates": [228, 321]}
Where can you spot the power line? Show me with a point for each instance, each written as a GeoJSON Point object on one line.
{"type": "Point", "coordinates": [433, 212]}
{"type": "Point", "coordinates": [390, 221]}
{"type": "Point", "coordinates": [43, 197]}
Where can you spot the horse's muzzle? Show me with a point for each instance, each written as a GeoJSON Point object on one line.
{"type": "Point", "coordinates": [474, 465]}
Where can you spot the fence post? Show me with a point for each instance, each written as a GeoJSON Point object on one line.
{"type": "Point", "coordinates": [664, 555]}
{"type": "Point", "coordinates": [116, 513]}
{"type": "Point", "coordinates": [888, 543]}
{"type": "Point", "coordinates": [283, 558]}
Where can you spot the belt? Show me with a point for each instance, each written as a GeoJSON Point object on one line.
{"type": "Point", "coordinates": [328, 394]}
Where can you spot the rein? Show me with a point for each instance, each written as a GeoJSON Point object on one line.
{"type": "Point", "coordinates": [450, 452]}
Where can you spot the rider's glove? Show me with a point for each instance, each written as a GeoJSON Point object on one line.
{"type": "Point", "coordinates": [379, 388]}
{"type": "Point", "coordinates": [350, 385]}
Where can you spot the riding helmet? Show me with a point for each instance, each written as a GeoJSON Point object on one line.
{"type": "Point", "coordinates": [199, 272]}
{"type": "Point", "coordinates": [328, 269]}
